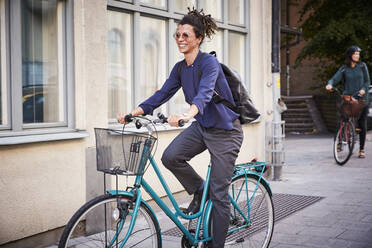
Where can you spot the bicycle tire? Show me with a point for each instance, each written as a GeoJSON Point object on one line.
{"type": "Point", "coordinates": [258, 234]}
{"type": "Point", "coordinates": [344, 143]}
{"type": "Point", "coordinates": [88, 225]}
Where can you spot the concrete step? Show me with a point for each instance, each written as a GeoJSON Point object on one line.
{"type": "Point", "coordinates": [299, 130]}
{"type": "Point", "coordinates": [296, 115]}
{"type": "Point", "coordinates": [298, 120]}
{"type": "Point", "coordinates": [295, 105]}
{"type": "Point", "coordinates": [299, 125]}
{"type": "Point", "coordinates": [297, 110]}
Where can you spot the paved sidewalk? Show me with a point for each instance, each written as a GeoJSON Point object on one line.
{"type": "Point", "coordinates": [342, 219]}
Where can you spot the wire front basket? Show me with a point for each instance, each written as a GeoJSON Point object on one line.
{"type": "Point", "coordinates": [123, 153]}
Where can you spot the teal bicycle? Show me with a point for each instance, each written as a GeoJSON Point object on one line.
{"type": "Point", "coordinates": [122, 218]}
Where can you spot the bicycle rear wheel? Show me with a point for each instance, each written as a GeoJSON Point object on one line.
{"type": "Point", "coordinates": [344, 143]}
{"type": "Point", "coordinates": [255, 202]}
{"type": "Point", "coordinates": [102, 223]}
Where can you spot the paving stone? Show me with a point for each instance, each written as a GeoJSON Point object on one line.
{"type": "Point", "coordinates": [358, 236]}
{"type": "Point", "coordinates": [329, 232]}
{"type": "Point", "coordinates": [368, 218]}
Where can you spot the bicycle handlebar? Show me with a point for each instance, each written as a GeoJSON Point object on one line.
{"type": "Point", "coordinates": [357, 95]}
{"type": "Point", "coordinates": [161, 119]}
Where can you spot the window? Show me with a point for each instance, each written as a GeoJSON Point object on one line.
{"type": "Point", "coordinates": [34, 79]}
{"type": "Point", "coordinates": [236, 12]}
{"type": "Point", "coordinates": [142, 50]}
{"type": "Point", "coordinates": [214, 8]}
{"type": "Point", "coordinates": [214, 44]}
{"type": "Point", "coordinates": [237, 53]}
{"type": "Point", "coordinates": [182, 5]}
{"type": "Point", "coordinates": [42, 62]}
{"type": "Point", "coordinates": [153, 58]}
{"type": "Point", "coordinates": [119, 63]}
{"type": "Point", "coordinates": [157, 3]}
{"type": "Point", "coordinates": [3, 74]}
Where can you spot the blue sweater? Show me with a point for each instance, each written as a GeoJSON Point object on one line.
{"type": "Point", "coordinates": [198, 93]}
{"type": "Point", "coordinates": [355, 79]}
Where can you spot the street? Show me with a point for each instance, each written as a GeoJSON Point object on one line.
{"type": "Point", "coordinates": [342, 218]}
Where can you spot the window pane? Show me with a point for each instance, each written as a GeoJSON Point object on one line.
{"type": "Point", "coordinates": [214, 44]}
{"type": "Point", "coordinates": [3, 88]}
{"type": "Point", "coordinates": [236, 53]}
{"type": "Point", "coordinates": [214, 8]}
{"type": "Point", "coordinates": [160, 3]}
{"type": "Point", "coordinates": [153, 57]}
{"type": "Point", "coordinates": [119, 63]}
{"type": "Point", "coordinates": [181, 5]}
{"type": "Point", "coordinates": [236, 11]}
{"type": "Point", "coordinates": [42, 75]}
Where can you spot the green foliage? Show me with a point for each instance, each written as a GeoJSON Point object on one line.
{"type": "Point", "coordinates": [330, 27]}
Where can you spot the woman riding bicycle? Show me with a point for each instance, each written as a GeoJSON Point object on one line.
{"type": "Point", "coordinates": [217, 128]}
{"type": "Point", "coordinates": [355, 77]}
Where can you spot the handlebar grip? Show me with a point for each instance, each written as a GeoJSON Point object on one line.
{"type": "Point", "coordinates": [181, 123]}
{"type": "Point", "coordinates": [128, 118]}
{"type": "Point", "coordinates": [164, 119]}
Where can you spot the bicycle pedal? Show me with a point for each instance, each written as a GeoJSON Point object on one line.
{"type": "Point", "coordinates": [239, 240]}
{"type": "Point", "coordinates": [184, 210]}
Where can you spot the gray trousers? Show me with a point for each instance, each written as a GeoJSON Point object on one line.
{"type": "Point", "coordinates": [223, 146]}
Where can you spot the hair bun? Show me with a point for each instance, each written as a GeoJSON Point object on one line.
{"type": "Point", "coordinates": [209, 25]}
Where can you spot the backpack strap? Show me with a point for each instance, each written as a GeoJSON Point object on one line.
{"type": "Point", "coordinates": [179, 69]}
{"type": "Point", "coordinates": [219, 99]}
{"type": "Point", "coordinates": [216, 97]}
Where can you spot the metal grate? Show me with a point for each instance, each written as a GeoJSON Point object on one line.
{"type": "Point", "coordinates": [284, 205]}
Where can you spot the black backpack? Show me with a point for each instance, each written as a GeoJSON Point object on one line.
{"type": "Point", "coordinates": [243, 103]}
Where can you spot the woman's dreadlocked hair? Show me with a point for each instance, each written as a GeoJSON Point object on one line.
{"type": "Point", "coordinates": [204, 25]}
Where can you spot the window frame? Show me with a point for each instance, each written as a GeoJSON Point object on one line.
{"type": "Point", "coordinates": [172, 16]}
{"type": "Point", "coordinates": [18, 132]}
{"type": "Point", "coordinates": [4, 60]}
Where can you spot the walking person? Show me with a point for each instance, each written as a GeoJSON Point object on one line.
{"type": "Point", "coordinates": [355, 77]}
{"type": "Point", "coordinates": [216, 129]}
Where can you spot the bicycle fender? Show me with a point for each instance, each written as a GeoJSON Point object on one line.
{"type": "Point", "coordinates": [257, 176]}
{"type": "Point", "coordinates": [126, 193]}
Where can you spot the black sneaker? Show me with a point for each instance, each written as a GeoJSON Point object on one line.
{"type": "Point", "coordinates": [194, 206]}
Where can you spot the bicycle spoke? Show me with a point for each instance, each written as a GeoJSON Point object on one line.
{"type": "Point", "coordinates": [142, 240]}
{"type": "Point", "coordinates": [344, 142]}
{"type": "Point", "coordinates": [256, 204]}
{"type": "Point", "coordinates": [262, 200]}
{"type": "Point", "coordinates": [101, 228]}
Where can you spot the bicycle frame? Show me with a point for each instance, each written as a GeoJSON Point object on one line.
{"type": "Point", "coordinates": [206, 206]}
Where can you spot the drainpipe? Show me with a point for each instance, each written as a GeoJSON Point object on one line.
{"type": "Point", "coordinates": [287, 13]}
{"type": "Point", "coordinates": [277, 124]}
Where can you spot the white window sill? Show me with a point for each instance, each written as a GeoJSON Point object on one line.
{"type": "Point", "coordinates": [25, 139]}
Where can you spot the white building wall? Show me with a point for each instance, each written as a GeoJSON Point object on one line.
{"type": "Point", "coordinates": [43, 184]}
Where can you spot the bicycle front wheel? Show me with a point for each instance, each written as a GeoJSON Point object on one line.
{"type": "Point", "coordinates": [344, 143]}
{"type": "Point", "coordinates": [104, 222]}
{"type": "Point", "coordinates": [255, 229]}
